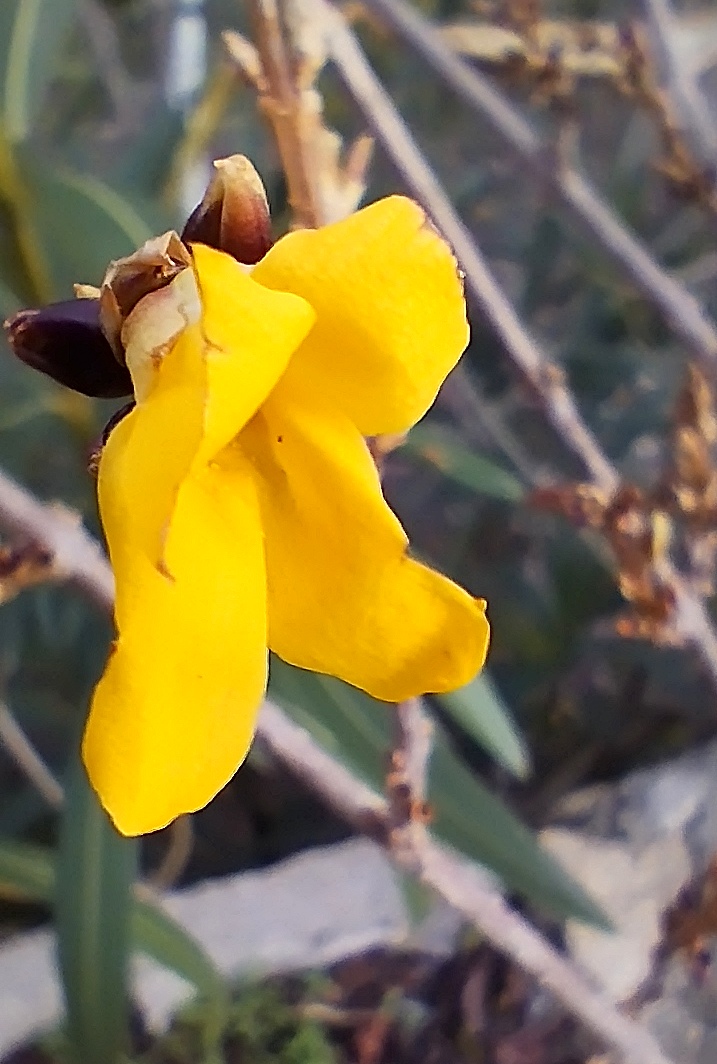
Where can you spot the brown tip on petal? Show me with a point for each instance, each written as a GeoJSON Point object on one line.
{"type": "Point", "coordinates": [234, 214]}
{"type": "Point", "coordinates": [65, 341]}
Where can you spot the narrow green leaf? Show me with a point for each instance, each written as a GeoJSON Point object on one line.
{"type": "Point", "coordinates": [443, 448]}
{"type": "Point", "coordinates": [32, 32]}
{"type": "Point", "coordinates": [343, 720]}
{"type": "Point", "coordinates": [26, 870]}
{"type": "Point", "coordinates": [358, 729]}
{"type": "Point", "coordinates": [22, 259]}
{"type": "Point", "coordinates": [95, 870]}
{"type": "Point", "coordinates": [473, 820]}
{"type": "Point", "coordinates": [84, 222]}
{"type": "Point", "coordinates": [29, 871]}
{"type": "Point", "coordinates": [9, 302]}
{"type": "Point", "coordinates": [479, 709]}
{"type": "Point", "coordinates": [144, 163]}
{"type": "Point", "coordinates": [417, 897]}
{"type": "Point", "coordinates": [158, 935]}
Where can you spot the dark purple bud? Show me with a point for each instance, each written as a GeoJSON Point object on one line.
{"type": "Point", "coordinates": [65, 341]}
{"type": "Point", "coordinates": [234, 214]}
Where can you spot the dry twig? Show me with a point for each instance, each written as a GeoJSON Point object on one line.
{"type": "Point", "coordinates": [285, 105]}
{"type": "Point", "coordinates": [28, 760]}
{"type": "Point", "coordinates": [680, 309]}
{"type": "Point", "coordinates": [681, 78]}
{"type": "Point", "coordinates": [22, 566]}
{"type": "Point", "coordinates": [686, 175]}
{"type": "Point", "coordinates": [461, 883]}
{"type": "Point", "coordinates": [323, 184]}
{"type": "Point", "coordinates": [452, 876]}
{"type": "Point", "coordinates": [407, 784]}
{"type": "Point", "coordinates": [688, 617]}
{"type": "Point", "coordinates": [548, 57]}
{"type": "Point", "coordinates": [59, 531]}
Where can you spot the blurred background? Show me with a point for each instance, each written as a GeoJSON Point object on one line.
{"type": "Point", "coordinates": [110, 114]}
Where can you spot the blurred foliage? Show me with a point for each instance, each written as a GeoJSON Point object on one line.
{"type": "Point", "coordinates": [89, 138]}
{"type": "Point", "coordinates": [261, 1026]}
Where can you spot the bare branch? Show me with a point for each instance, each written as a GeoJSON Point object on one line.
{"type": "Point", "coordinates": [390, 128]}
{"type": "Point", "coordinates": [77, 556]}
{"type": "Point", "coordinates": [681, 78]}
{"type": "Point", "coordinates": [407, 784]}
{"type": "Point", "coordinates": [691, 621]}
{"type": "Point", "coordinates": [126, 97]}
{"type": "Point", "coordinates": [681, 310]}
{"type": "Point", "coordinates": [461, 883]}
{"type": "Point", "coordinates": [323, 184]}
{"type": "Point", "coordinates": [28, 760]}
{"type": "Point", "coordinates": [446, 872]}
{"type": "Point", "coordinates": [284, 105]}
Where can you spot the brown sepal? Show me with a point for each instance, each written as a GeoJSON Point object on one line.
{"type": "Point", "coordinates": [234, 214]}
{"type": "Point", "coordinates": [127, 281]}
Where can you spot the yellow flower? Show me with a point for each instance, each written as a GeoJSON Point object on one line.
{"type": "Point", "coordinates": [242, 508]}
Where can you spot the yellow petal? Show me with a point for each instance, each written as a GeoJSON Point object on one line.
{"type": "Point", "coordinates": [201, 393]}
{"type": "Point", "coordinates": [250, 333]}
{"type": "Point", "coordinates": [343, 597]}
{"type": "Point", "coordinates": [174, 713]}
{"type": "Point", "coordinates": [390, 312]}
{"type": "Point", "coordinates": [173, 716]}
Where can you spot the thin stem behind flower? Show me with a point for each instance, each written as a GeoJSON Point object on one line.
{"type": "Point", "coordinates": [452, 876]}
{"type": "Point", "coordinates": [690, 620]}
{"type": "Point", "coordinates": [680, 309]}
{"type": "Point", "coordinates": [27, 759]}
{"type": "Point", "coordinates": [285, 107]}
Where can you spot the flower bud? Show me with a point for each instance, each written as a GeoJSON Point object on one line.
{"type": "Point", "coordinates": [234, 214]}
{"type": "Point", "coordinates": [65, 341]}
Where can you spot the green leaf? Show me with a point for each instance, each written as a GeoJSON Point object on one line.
{"type": "Point", "coordinates": [473, 820]}
{"type": "Point", "coordinates": [84, 222]}
{"type": "Point", "coordinates": [9, 302]}
{"type": "Point", "coordinates": [95, 870]}
{"type": "Point", "coordinates": [358, 730]}
{"type": "Point", "coordinates": [32, 32]}
{"type": "Point", "coordinates": [479, 709]}
{"type": "Point", "coordinates": [417, 897]}
{"type": "Point", "coordinates": [144, 163]}
{"type": "Point", "coordinates": [29, 872]}
{"type": "Point", "coordinates": [443, 448]}
{"type": "Point", "coordinates": [343, 720]}
{"type": "Point", "coordinates": [158, 935]}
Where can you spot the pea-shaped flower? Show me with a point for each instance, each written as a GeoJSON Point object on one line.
{"type": "Point", "coordinates": [240, 502]}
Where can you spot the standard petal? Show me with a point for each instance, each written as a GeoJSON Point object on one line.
{"type": "Point", "coordinates": [196, 397]}
{"type": "Point", "coordinates": [390, 312]}
{"type": "Point", "coordinates": [174, 713]}
{"type": "Point", "coordinates": [343, 596]}
{"type": "Point", "coordinates": [250, 334]}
